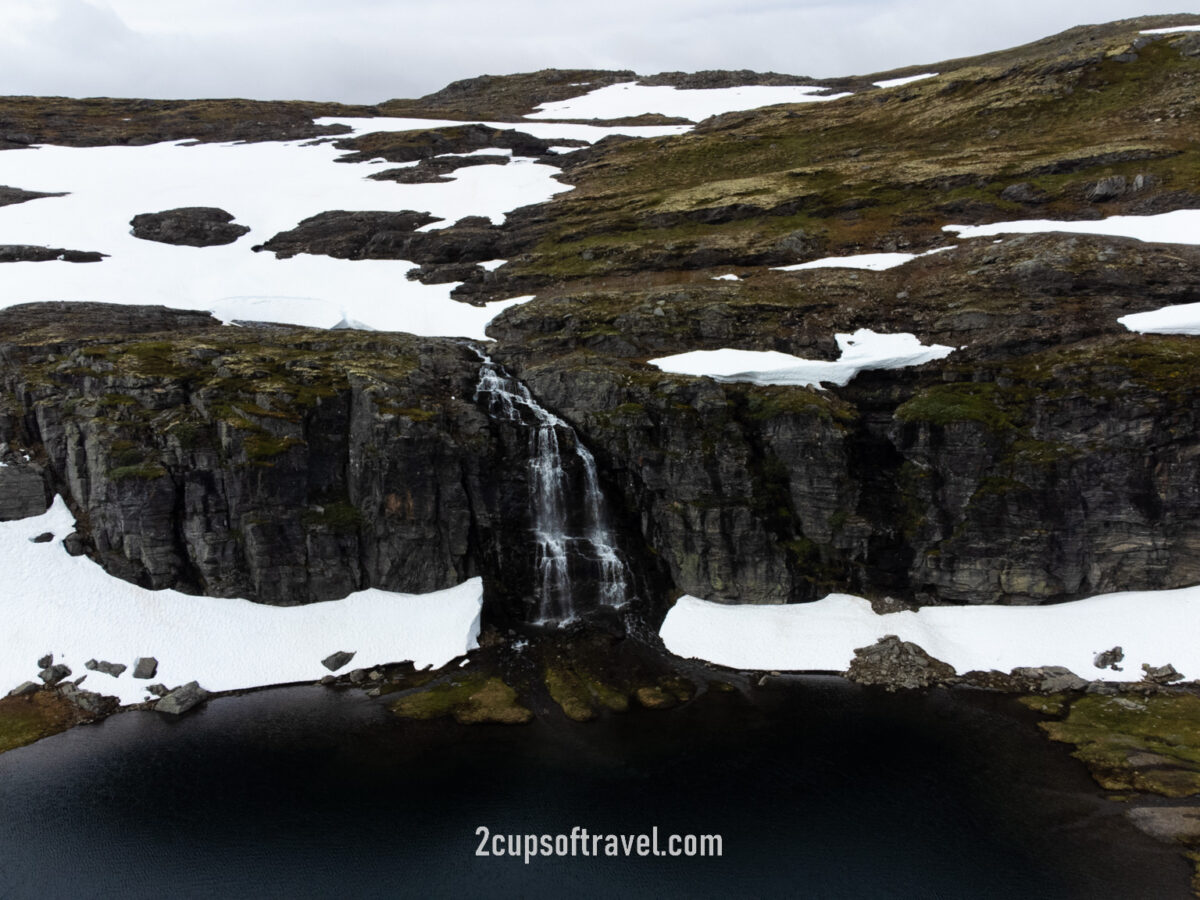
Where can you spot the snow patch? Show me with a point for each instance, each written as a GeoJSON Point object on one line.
{"type": "Point", "coordinates": [1181, 319]}
{"type": "Point", "coordinates": [1153, 627]}
{"type": "Point", "coordinates": [1170, 30]}
{"type": "Point", "coordinates": [864, 349]}
{"type": "Point", "coordinates": [875, 262]}
{"type": "Point", "coordinates": [68, 606]}
{"type": "Point", "coordinates": [631, 99]}
{"type": "Point", "coordinates": [1180, 226]}
{"type": "Point", "coordinates": [907, 79]}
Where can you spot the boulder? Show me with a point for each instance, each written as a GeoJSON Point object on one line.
{"type": "Point", "coordinates": [182, 699]}
{"type": "Point", "coordinates": [52, 675]}
{"type": "Point", "coordinates": [113, 669]}
{"type": "Point", "coordinates": [46, 661]}
{"type": "Point", "coordinates": [44, 538]}
{"type": "Point", "coordinates": [1024, 192]}
{"type": "Point", "coordinates": [1160, 674]}
{"type": "Point", "coordinates": [897, 664]}
{"type": "Point", "coordinates": [145, 667]}
{"type": "Point", "coordinates": [1107, 189]}
{"type": "Point", "coordinates": [1050, 679]}
{"type": "Point", "coordinates": [335, 661]}
{"type": "Point", "coordinates": [1108, 659]}
{"type": "Point", "coordinates": [159, 690]}
{"type": "Point", "coordinates": [191, 226]}
{"type": "Point", "coordinates": [91, 702]}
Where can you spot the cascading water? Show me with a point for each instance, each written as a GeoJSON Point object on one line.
{"type": "Point", "coordinates": [558, 551]}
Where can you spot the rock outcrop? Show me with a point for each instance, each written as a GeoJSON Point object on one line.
{"type": "Point", "coordinates": [189, 226]}
{"type": "Point", "coordinates": [897, 664]}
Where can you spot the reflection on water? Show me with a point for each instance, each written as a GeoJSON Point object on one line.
{"type": "Point", "coordinates": [821, 790]}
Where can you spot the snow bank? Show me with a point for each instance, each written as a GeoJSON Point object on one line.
{"type": "Point", "coordinates": [631, 99]}
{"type": "Point", "coordinates": [1170, 30]}
{"type": "Point", "coordinates": [907, 79]}
{"type": "Point", "coordinates": [865, 349]}
{"type": "Point", "coordinates": [68, 606]}
{"type": "Point", "coordinates": [1154, 627]}
{"type": "Point", "coordinates": [1181, 226]}
{"type": "Point", "coordinates": [1181, 319]}
{"type": "Point", "coordinates": [270, 187]}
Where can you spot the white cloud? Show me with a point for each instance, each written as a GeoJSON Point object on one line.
{"type": "Point", "coordinates": [371, 50]}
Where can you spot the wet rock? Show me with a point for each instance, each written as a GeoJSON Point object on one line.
{"type": "Point", "coordinates": [145, 667]}
{"type": "Point", "coordinates": [182, 699]}
{"type": "Point", "coordinates": [897, 664]}
{"type": "Point", "coordinates": [24, 689]}
{"type": "Point", "coordinates": [1160, 674]}
{"type": "Point", "coordinates": [52, 675]}
{"type": "Point", "coordinates": [108, 668]}
{"type": "Point", "coordinates": [1108, 659]}
{"type": "Point", "coordinates": [328, 680]}
{"type": "Point", "coordinates": [357, 676]}
{"type": "Point", "coordinates": [335, 661]}
{"type": "Point", "coordinates": [191, 226]}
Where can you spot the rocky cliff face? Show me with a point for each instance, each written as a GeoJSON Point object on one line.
{"type": "Point", "coordinates": [272, 463]}
{"type": "Point", "coordinates": [1053, 455]}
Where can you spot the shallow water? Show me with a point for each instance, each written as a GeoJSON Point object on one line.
{"type": "Point", "coordinates": [821, 789]}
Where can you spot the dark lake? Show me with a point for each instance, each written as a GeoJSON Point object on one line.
{"type": "Point", "coordinates": [820, 789]}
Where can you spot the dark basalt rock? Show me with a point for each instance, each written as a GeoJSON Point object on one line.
{"type": "Point", "coordinates": [30, 253]}
{"type": "Point", "coordinates": [411, 146]}
{"type": "Point", "coordinates": [897, 664]}
{"type": "Point", "coordinates": [11, 195]}
{"type": "Point", "coordinates": [23, 490]}
{"type": "Point", "coordinates": [190, 226]}
{"type": "Point", "coordinates": [350, 235]}
{"type": "Point", "coordinates": [434, 170]}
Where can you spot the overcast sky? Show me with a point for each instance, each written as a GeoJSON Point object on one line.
{"type": "Point", "coordinates": [365, 51]}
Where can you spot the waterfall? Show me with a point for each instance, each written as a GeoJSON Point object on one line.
{"type": "Point", "coordinates": [558, 552]}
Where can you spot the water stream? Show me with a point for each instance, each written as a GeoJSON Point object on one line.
{"type": "Point", "coordinates": [570, 555]}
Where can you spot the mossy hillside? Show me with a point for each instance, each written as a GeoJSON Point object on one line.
{"type": "Point", "coordinates": [880, 170]}
{"type": "Point", "coordinates": [100, 121]}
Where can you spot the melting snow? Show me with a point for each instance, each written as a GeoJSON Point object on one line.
{"type": "Point", "coordinates": [1154, 627]}
{"type": "Point", "coordinates": [1171, 29]}
{"type": "Point", "coordinates": [1181, 226]}
{"type": "Point", "coordinates": [1181, 319]}
{"type": "Point", "coordinates": [631, 99]}
{"type": "Point", "coordinates": [68, 606]}
{"type": "Point", "coordinates": [875, 262]}
{"type": "Point", "coordinates": [865, 349]}
{"type": "Point", "coordinates": [907, 79]}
